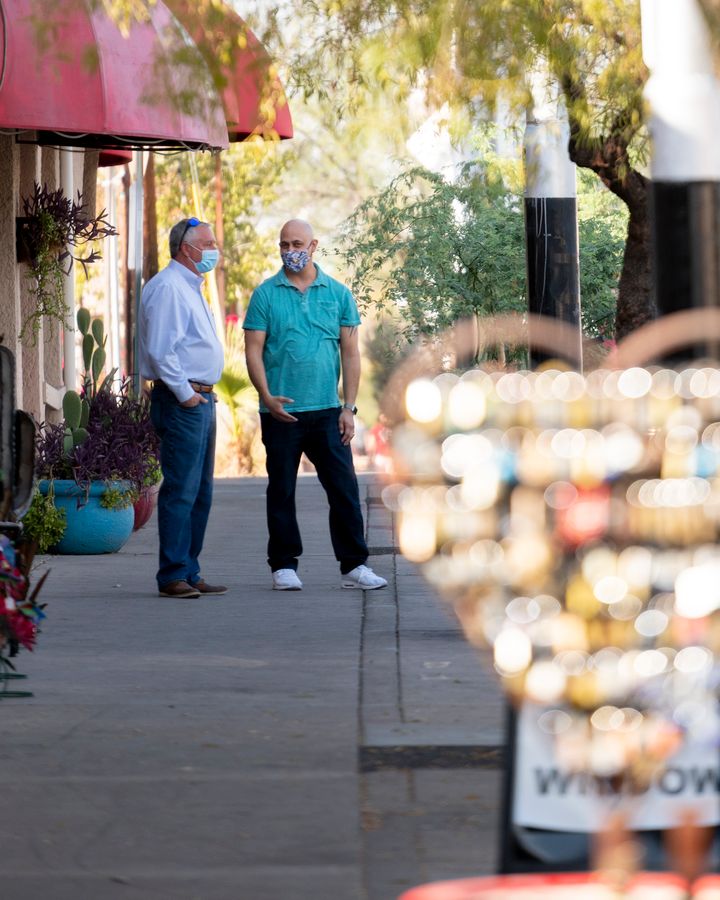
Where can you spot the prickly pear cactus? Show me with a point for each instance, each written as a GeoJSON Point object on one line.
{"type": "Point", "coordinates": [93, 351]}
{"type": "Point", "coordinates": [76, 412]}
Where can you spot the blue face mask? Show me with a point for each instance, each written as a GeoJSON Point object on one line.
{"type": "Point", "coordinates": [295, 260]}
{"type": "Point", "coordinates": [208, 260]}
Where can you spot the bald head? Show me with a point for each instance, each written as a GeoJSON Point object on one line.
{"type": "Point", "coordinates": [296, 227]}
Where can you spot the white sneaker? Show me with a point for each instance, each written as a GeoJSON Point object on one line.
{"type": "Point", "coordinates": [364, 579]}
{"type": "Point", "coordinates": [286, 580]}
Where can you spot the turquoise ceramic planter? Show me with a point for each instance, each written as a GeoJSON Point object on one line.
{"type": "Point", "coordinates": [90, 527]}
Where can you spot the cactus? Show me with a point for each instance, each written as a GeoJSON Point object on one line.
{"type": "Point", "coordinates": [88, 346]}
{"type": "Point", "coordinates": [83, 320]}
{"type": "Point", "coordinates": [76, 411]}
{"type": "Point", "coordinates": [98, 332]}
{"type": "Point", "coordinates": [93, 352]}
{"type": "Point", "coordinates": [72, 409]}
{"type": "Point", "coordinates": [98, 361]}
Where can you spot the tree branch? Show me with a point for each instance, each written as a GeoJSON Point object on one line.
{"type": "Point", "coordinates": [606, 155]}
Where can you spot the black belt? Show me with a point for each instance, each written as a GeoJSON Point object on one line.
{"type": "Point", "coordinates": [197, 386]}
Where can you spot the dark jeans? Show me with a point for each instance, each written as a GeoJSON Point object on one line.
{"type": "Point", "coordinates": [187, 459]}
{"type": "Point", "coordinates": [316, 434]}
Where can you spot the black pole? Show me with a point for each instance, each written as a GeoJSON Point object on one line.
{"type": "Point", "coordinates": [551, 234]}
{"type": "Point", "coordinates": [553, 288]}
{"type": "Point", "coordinates": [686, 253]}
{"type": "Point", "coordinates": [683, 96]}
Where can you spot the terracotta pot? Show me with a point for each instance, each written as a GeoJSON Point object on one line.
{"type": "Point", "coordinates": [144, 506]}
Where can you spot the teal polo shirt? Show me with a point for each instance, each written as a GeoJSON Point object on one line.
{"type": "Point", "coordinates": [302, 337]}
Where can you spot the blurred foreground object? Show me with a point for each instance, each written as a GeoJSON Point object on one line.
{"type": "Point", "coordinates": [572, 523]}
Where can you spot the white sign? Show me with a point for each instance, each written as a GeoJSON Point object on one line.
{"type": "Point", "coordinates": [550, 797]}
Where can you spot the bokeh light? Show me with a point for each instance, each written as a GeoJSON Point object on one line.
{"type": "Point", "coordinates": [573, 522]}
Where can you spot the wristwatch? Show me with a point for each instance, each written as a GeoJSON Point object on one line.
{"type": "Point", "coordinates": [353, 409]}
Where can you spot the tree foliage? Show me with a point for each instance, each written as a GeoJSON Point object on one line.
{"type": "Point", "coordinates": [385, 345]}
{"type": "Point", "coordinates": [251, 173]}
{"type": "Point", "coordinates": [481, 53]}
{"type": "Point", "coordinates": [432, 251]}
{"type": "Point", "coordinates": [437, 251]}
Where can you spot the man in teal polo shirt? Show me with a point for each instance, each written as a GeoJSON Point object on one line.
{"type": "Point", "coordinates": [300, 335]}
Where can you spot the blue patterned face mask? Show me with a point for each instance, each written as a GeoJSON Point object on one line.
{"type": "Point", "coordinates": [295, 260]}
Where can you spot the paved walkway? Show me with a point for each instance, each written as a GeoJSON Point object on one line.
{"type": "Point", "coordinates": [321, 745]}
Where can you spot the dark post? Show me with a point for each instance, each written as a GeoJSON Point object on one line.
{"type": "Point", "coordinates": [684, 98]}
{"type": "Point", "coordinates": [553, 270]}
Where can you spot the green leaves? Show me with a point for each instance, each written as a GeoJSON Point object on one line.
{"type": "Point", "coordinates": [98, 361]}
{"type": "Point", "coordinates": [431, 251]}
{"type": "Point", "coordinates": [56, 231]}
{"type": "Point", "coordinates": [72, 409]}
{"type": "Point", "coordinates": [231, 384]}
{"type": "Point", "coordinates": [88, 346]}
{"type": "Point", "coordinates": [248, 177]}
{"type": "Point", "coordinates": [435, 251]}
{"type": "Point", "coordinates": [44, 523]}
{"type": "Point", "coordinates": [76, 412]}
{"type": "Point", "coordinates": [98, 331]}
{"type": "Point", "coordinates": [497, 57]}
{"type": "Point", "coordinates": [93, 351]}
{"type": "Point", "coordinates": [82, 317]}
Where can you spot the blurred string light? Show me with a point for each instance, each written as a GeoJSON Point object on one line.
{"type": "Point", "coordinates": [573, 523]}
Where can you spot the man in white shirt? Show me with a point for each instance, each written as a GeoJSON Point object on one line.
{"type": "Point", "coordinates": [179, 351]}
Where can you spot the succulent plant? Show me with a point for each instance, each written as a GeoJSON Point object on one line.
{"type": "Point", "coordinates": [107, 434]}
{"type": "Point", "coordinates": [54, 231]}
{"type": "Point", "coordinates": [76, 412]}
{"type": "Point", "coordinates": [93, 351]}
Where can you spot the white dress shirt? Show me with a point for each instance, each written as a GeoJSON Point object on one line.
{"type": "Point", "coordinates": [177, 337]}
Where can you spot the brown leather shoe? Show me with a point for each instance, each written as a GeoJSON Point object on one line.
{"type": "Point", "coordinates": [206, 588]}
{"type": "Point", "coordinates": [180, 590]}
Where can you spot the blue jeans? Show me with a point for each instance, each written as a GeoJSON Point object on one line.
{"type": "Point", "coordinates": [187, 459]}
{"type": "Point", "coordinates": [317, 435]}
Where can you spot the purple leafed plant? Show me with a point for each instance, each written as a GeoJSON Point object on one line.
{"type": "Point", "coordinates": [73, 226]}
{"type": "Point", "coordinates": [121, 444]}
{"type": "Point", "coordinates": [54, 231]}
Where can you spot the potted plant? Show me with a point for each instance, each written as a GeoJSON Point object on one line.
{"type": "Point", "coordinates": [99, 460]}
{"type": "Point", "coordinates": [53, 232]}
{"type": "Point", "coordinates": [43, 523]}
{"type": "Point", "coordinates": [147, 501]}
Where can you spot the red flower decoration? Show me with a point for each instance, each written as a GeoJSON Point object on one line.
{"type": "Point", "coordinates": [22, 629]}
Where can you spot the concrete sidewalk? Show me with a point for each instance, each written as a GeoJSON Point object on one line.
{"type": "Point", "coordinates": [319, 745]}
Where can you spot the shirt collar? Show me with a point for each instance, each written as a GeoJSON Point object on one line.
{"type": "Point", "coordinates": [192, 278]}
{"type": "Point", "coordinates": [321, 279]}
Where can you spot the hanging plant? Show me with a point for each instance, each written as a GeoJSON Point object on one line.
{"type": "Point", "coordinates": [54, 232]}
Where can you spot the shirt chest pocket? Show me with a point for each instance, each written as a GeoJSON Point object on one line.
{"type": "Point", "coordinates": [326, 316]}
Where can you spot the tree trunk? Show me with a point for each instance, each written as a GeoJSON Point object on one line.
{"type": "Point", "coordinates": [220, 233]}
{"type": "Point", "coordinates": [90, 174]}
{"type": "Point", "coordinates": [151, 261]}
{"type": "Point", "coordinates": [635, 302]}
{"type": "Point", "coordinates": [608, 159]}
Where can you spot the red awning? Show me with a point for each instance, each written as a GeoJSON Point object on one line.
{"type": "Point", "coordinates": [253, 97]}
{"type": "Point", "coordinates": [71, 75]}
{"type": "Point", "coordinates": [115, 156]}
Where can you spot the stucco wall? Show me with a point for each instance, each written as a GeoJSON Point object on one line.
{"type": "Point", "coordinates": [39, 363]}
{"type": "Point", "coordinates": [52, 340]}
{"type": "Point", "coordinates": [9, 275]}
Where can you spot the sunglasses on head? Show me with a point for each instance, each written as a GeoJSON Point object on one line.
{"type": "Point", "coordinates": [191, 223]}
